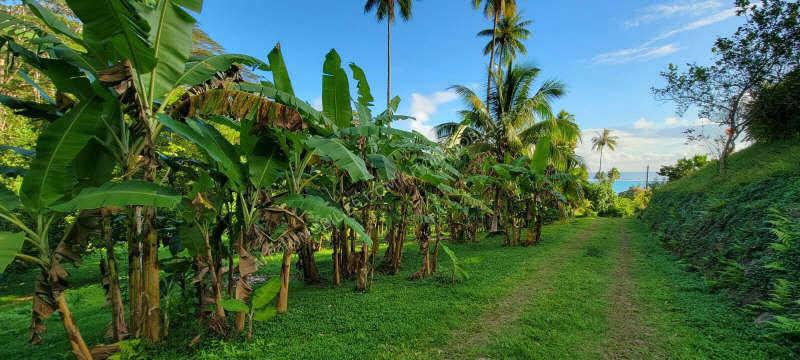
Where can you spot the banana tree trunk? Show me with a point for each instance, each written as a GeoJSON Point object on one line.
{"type": "Point", "coordinates": [309, 264]}
{"type": "Point", "coordinates": [119, 327]}
{"type": "Point", "coordinates": [135, 284]}
{"type": "Point", "coordinates": [336, 257]}
{"type": "Point", "coordinates": [247, 266]}
{"type": "Point", "coordinates": [76, 342]}
{"type": "Point", "coordinates": [152, 292]}
{"type": "Point", "coordinates": [282, 304]}
{"type": "Point", "coordinates": [424, 237]}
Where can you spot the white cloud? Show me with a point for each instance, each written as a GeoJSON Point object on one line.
{"type": "Point", "coordinates": [643, 123]}
{"type": "Point", "coordinates": [424, 106]}
{"type": "Point", "coordinates": [634, 54]}
{"type": "Point", "coordinates": [660, 11]}
{"type": "Point", "coordinates": [706, 21]}
{"type": "Point", "coordinates": [636, 149]}
{"type": "Point", "coordinates": [647, 142]}
{"type": "Point", "coordinates": [649, 51]}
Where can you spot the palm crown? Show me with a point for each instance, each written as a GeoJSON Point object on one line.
{"type": "Point", "coordinates": [387, 9]}
{"type": "Point", "coordinates": [508, 38]}
{"type": "Point", "coordinates": [604, 140]}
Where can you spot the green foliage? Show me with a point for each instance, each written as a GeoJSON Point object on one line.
{"type": "Point", "coordinates": [775, 112]}
{"type": "Point", "coordinates": [10, 245]}
{"type": "Point", "coordinates": [321, 209]}
{"type": "Point", "coordinates": [683, 167]}
{"type": "Point", "coordinates": [722, 225]}
{"type": "Point", "coordinates": [128, 193]}
{"type": "Point", "coordinates": [456, 270]}
{"type": "Point", "coordinates": [50, 175]}
{"type": "Point", "coordinates": [263, 298]}
{"type": "Point", "coordinates": [336, 91]}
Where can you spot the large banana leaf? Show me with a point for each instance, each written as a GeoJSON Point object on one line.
{"type": "Point", "coordinates": [262, 299]}
{"type": "Point", "coordinates": [171, 37]}
{"type": "Point", "coordinates": [541, 155]}
{"type": "Point", "coordinates": [8, 200]}
{"type": "Point", "coordinates": [50, 174]}
{"type": "Point", "coordinates": [342, 157]}
{"type": "Point", "coordinates": [336, 92]}
{"type": "Point", "coordinates": [264, 170]}
{"type": "Point", "coordinates": [10, 245]}
{"type": "Point", "coordinates": [52, 21]}
{"type": "Point", "coordinates": [66, 77]}
{"type": "Point", "coordinates": [30, 109]}
{"type": "Point", "coordinates": [364, 93]}
{"type": "Point", "coordinates": [212, 143]}
{"type": "Point", "coordinates": [308, 113]}
{"type": "Point", "coordinates": [121, 194]}
{"type": "Point", "coordinates": [365, 98]}
{"type": "Point", "coordinates": [200, 70]}
{"type": "Point", "coordinates": [385, 166]}
{"type": "Point", "coordinates": [280, 75]}
{"type": "Point", "coordinates": [115, 31]}
{"type": "Point", "coordinates": [321, 209]}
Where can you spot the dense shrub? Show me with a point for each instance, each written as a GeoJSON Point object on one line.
{"type": "Point", "coordinates": [775, 112]}
{"type": "Point", "coordinates": [605, 202]}
{"type": "Point", "coordinates": [683, 167]}
{"type": "Point", "coordinates": [724, 226]}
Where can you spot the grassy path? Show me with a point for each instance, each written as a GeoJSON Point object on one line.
{"type": "Point", "coordinates": [594, 289]}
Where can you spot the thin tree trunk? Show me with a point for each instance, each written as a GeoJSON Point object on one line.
{"type": "Point", "coordinates": [119, 327]}
{"type": "Point", "coordinates": [135, 285]}
{"type": "Point", "coordinates": [496, 214]}
{"type": "Point", "coordinates": [247, 266]}
{"type": "Point", "coordinates": [337, 267]}
{"type": "Point", "coordinates": [282, 305]}
{"type": "Point", "coordinates": [388, 62]}
{"type": "Point", "coordinates": [76, 342]}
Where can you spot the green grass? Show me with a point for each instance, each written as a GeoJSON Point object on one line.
{"type": "Point", "coordinates": [558, 293]}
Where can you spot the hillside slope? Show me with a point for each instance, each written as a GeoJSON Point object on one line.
{"type": "Point", "coordinates": [720, 224]}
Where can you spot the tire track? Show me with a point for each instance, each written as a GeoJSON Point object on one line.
{"type": "Point", "coordinates": [511, 307]}
{"type": "Point", "coordinates": [629, 336]}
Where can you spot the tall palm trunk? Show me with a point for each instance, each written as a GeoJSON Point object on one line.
{"type": "Point", "coordinates": [388, 62]}
{"type": "Point", "coordinates": [601, 161]}
{"type": "Point", "coordinates": [491, 58]}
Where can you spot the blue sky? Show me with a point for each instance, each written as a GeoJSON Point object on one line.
{"type": "Point", "coordinates": [609, 55]}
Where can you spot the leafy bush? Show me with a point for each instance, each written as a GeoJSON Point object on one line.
{"type": "Point", "coordinates": [775, 113]}
{"type": "Point", "coordinates": [683, 167]}
{"type": "Point", "coordinates": [605, 202]}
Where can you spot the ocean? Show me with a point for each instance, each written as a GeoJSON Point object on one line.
{"type": "Point", "coordinates": [628, 180]}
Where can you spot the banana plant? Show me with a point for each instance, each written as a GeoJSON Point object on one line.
{"type": "Point", "coordinates": [130, 58]}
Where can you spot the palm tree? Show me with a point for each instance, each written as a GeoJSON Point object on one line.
{"type": "Point", "coordinates": [508, 38]}
{"type": "Point", "coordinates": [493, 9]}
{"type": "Point", "coordinates": [386, 10]}
{"type": "Point", "coordinates": [601, 141]}
{"type": "Point", "coordinates": [512, 111]}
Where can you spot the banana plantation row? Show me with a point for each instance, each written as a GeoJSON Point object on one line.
{"type": "Point", "coordinates": [146, 147]}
